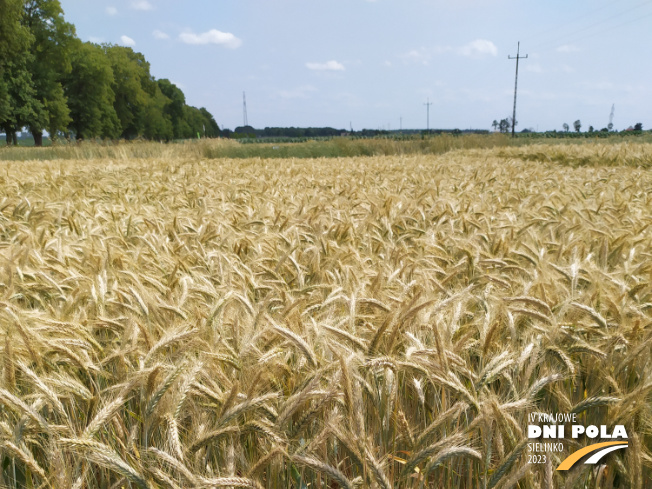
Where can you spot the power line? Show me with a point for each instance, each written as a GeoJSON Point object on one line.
{"type": "Point", "coordinates": [518, 56]}
{"type": "Point", "coordinates": [610, 28]}
{"type": "Point", "coordinates": [573, 36]}
{"type": "Point", "coordinates": [563, 34]}
{"type": "Point", "coordinates": [568, 22]}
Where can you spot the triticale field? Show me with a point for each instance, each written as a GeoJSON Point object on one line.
{"type": "Point", "coordinates": [363, 322]}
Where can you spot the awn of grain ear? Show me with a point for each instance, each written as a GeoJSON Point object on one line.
{"type": "Point", "coordinates": [327, 470]}
{"type": "Point", "coordinates": [9, 373]}
{"type": "Point", "coordinates": [26, 457]}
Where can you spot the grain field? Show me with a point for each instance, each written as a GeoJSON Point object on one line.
{"type": "Point", "coordinates": [384, 322]}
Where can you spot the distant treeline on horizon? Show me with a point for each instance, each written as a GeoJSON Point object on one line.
{"type": "Point", "coordinates": [312, 132]}
{"type": "Point", "coordinates": [51, 81]}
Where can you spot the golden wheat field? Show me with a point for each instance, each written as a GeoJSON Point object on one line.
{"type": "Point", "coordinates": [372, 322]}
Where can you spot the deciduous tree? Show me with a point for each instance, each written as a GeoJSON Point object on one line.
{"type": "Point", "coordinates": [175, 108]}
{"type": "Point", "coordinates": [52, 38]}
{"type": "Point", "coordinates": [13, 42]}
{"type": "Point", "coordinates": [212, 130]}
{"type": "Point", "coordinates": [50, 80]}
{"type": "Point", "coordinates": [89, 92]}
{"type": "Point", "coordinates": [130, 78]}
{"type": "Point", "coordinates": [157, 124]}
{"type": "Point", "coordinates": [24, 108]}
{"type": "Point", "coordinates": [577, 125]}
{"type": "Point", "coordinates": [15, 79]}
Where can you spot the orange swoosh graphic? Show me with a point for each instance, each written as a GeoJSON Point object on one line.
{"type": "Point", "coordinates": [574, 457]}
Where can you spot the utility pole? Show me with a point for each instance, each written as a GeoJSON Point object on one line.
{"type": "Point", "coordinates": [401, 123]}
{"type": "Point", "coordinates": [244, 110]}
{"type": "Point", "coordinates": [428, 104]}
{"type": "Point", "coordinates": [518, 56]}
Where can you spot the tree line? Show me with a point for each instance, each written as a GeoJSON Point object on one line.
{"type": "Point", "coordinates": [504, 126]}
{"type": "Point", "coordinates": [282, 132]}
{"type": "Point", "coordinates": [52, 81]}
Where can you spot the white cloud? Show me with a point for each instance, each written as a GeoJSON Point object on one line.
{"type": "Point", "coordinates": [127, 41]}
{"type": "Point", "coordinates": [111, 11]}
{"type": "Point", "coordinates": [479, 47]}
{"type": "Point", "coordinates": [568, 48]}
{"type": "Point", "coordinates": [141, 5]}
{"type": "Point", "coordinates": [160, 35]}
{"type": "Point", "coordinates": [328, 66]}
{"type": "Point", "coordinates": [211, 37]}
{"type": "Point", "coordinates": [421, 56]}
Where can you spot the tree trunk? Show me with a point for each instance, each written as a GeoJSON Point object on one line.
{"type": "Point", "coordinates": [11, 136]}
{"type": "Point", "coordinates": [38, 138]}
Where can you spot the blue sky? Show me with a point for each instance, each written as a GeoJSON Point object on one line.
{"type": "Point", "coordinates": [374, 64]}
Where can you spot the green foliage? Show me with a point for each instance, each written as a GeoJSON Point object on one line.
{"type": "Point", "coordinates": [130, 78]}
{"type": "Point", "coordinates": [195, 120]}
{"type": "Point", "coordinates": [187, 121]}
{"type": "Point", "coordinates": [174, 108]}
{"type": "Point", "coordinates": [58, 112]}
{"type": "Point", "coordinates": [14, 47]}
{"type": "Point", "coordinates": [4, 99]}
{"type": "Point", "coordinates": [90, 94]}
{"type": "Point", "coordinates": [50, 80]}
{"type": "Point", "coordinates": [24, 108]}
{"type": "Point", "coordinates": [53, 38]}
{"type": "Point", "coordinates": [13, 37]}
{"type": "Point", "coordinates": [157, 125]}
{"type": "Point", "coordinates": [211, 129]}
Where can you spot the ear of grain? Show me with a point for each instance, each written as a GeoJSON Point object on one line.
{"type": "Point", "coordinates": [156, 397]}
{"type": "Point", "coordinates": [9, 374]}
{"type": "Point", "coordinates": [104, 456]}
{"type": "Point", "coordinates": [299, 342]}
{"type": "Point", "coordinates": [507, 464]}
{"type": "Point", "coordinates": [45, 390]}
{"type": "Point", "coordinates": [26, 457]}
{"type": "Point", "coordinates": [327, 470]}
